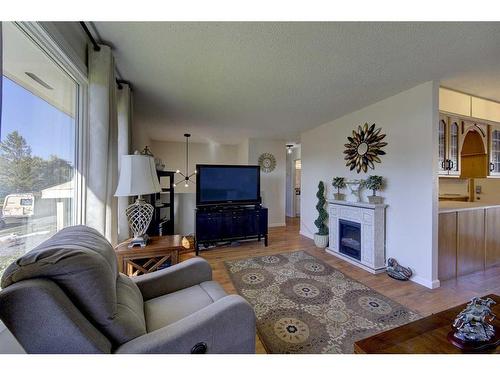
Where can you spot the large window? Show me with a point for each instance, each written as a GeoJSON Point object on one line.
{"type": "Point", "coordinates": [38, 145]}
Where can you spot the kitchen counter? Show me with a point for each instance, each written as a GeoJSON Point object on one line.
{"type": "Point", "coordinates": [456, 206]}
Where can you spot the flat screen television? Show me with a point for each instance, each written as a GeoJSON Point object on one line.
{"type": "Point", "coordinates": [227, 184]}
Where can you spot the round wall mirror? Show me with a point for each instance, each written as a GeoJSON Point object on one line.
{"type": "Point", "coordinates": [362, 149]}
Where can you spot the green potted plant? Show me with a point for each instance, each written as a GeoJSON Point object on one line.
{"type": "Point", "coordinates": [374, 183]}
{"type": "Point", "coordinates": [321, 236]}
{"type": "Point", "coordinates": [339, 183]}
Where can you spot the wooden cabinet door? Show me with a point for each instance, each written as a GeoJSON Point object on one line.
{"type": "Point", "coordinates": [447, 246]}
{"type": "Point", "coordinates": [492, 255]}
{"type": "Point", "coordinates": [494, 167]}
{"type": "Point", "coordinates": [442, 130]}
{"type": "Point", "coordinates": [470, 248]}
{"type": "Point", "coordinates": [208, 226]}
{"type": "Point", "coordinates": [453, 153]}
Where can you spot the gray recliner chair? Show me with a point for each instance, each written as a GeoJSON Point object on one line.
{"type": "Point", "coordinates": [67, 296]}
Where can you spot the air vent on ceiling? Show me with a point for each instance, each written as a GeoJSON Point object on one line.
{"type": "Point", "coordinates": [38, 80]}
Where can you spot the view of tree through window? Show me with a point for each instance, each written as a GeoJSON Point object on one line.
{"type": "Point", "coordinates": [37, 147]}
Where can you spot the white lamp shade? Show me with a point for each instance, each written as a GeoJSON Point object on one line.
{"type": "Point", "coordinates": [137, 176]}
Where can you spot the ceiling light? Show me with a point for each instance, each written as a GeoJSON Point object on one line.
{"type": "Point", "coordinates": [186, 177]}
{"type": "Point", "coordinates": [289, 148]}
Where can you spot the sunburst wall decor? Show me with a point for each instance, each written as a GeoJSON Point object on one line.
{"type": "Point", "coordinates": [364, 148]}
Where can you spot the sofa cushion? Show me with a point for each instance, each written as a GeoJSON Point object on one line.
{"type": "Point", "coordinates": [83, 264]}
{"type": "Point", "coordinates": [130, 321]}
{"type": "Point", "coordinates": [167, 309]}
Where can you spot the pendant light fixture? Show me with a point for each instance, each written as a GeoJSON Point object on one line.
{"type": "Point", "coordinates": [186, 177]}
{"type": "Point", "coordinates": [289, 148]}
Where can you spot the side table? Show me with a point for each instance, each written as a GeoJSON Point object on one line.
{"type": "Point", "coordinates": [138, 260]}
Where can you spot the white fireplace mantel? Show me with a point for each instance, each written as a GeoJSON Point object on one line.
{"type": "Point", "coordinates": [371, 218]}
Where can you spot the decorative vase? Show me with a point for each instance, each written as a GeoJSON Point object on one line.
{"type": "Point", "coordinates": [321, 240]}
{"type": "Point", "coordinates": [354, 186]}
{"type": "Point", "coordinates": [339, 196]}
{"type": "Point", "coordinates": [375, 199]}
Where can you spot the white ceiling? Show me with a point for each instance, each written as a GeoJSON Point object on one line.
{"type": "Point", "coordinates": [226, 81]}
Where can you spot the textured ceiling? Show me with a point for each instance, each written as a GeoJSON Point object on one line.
{"type": "Point", "coordinates": [226, 81]}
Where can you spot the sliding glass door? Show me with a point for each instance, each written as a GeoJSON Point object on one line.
{"type": "Point", "coordinates": [39, 134]}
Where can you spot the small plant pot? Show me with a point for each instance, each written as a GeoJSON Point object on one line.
{"type": "Point", "coordinates": [321, 240]}
{"type": "Point", "coordinates": [375, 199]}
{"type": "Point", "coordinates": [339, 196]}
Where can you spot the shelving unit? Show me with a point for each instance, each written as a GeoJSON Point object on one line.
{"type": "Point", "coordinates": [162, 223]}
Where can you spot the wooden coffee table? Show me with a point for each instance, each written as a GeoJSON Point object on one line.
{"type": "Point", "coordinates": [160, 251]}
{"type": "Point", "coordinates": [424, 336]}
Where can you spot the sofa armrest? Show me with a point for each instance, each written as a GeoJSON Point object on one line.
{"type": "Point", "coordinates": [179, 276]}
{"type": "Point", "coordinates": [225, 326]}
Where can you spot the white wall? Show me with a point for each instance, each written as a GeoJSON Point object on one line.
{"type": "Point", "coordinates": [273, 184]}
{"type": "Point", "coordinates": [140, 137]}
{"type": "Point", "coordinates": [243, 152]}
{"type": "Point", "coordinates": [408, 119]}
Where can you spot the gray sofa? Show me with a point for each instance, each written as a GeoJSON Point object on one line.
{"type": "Point", "coordinates": [67, 296]}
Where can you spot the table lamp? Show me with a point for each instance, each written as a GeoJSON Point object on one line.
{"type": "Point", "coordinates": [137, 178]}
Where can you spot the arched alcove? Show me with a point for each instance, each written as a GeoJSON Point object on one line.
{"type": "Point", "coordinates": [474, 157]}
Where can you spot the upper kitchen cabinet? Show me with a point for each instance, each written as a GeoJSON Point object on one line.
{"type": "Point", "coordinates": [494, 165]}
{"type": "Point", "coordinates": [454, 102]}
{"type": "Point", "coordinates": [485, 109]}
{"type": "Point", "coordinates": [474, 150]}
{"type": "Point", "coordinates": [469, 135]}
{"type": "Point", "coordinates": [449, 145]}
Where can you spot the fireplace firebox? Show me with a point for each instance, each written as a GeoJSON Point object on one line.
{"type": "Point", "coordinates": [350, 239]}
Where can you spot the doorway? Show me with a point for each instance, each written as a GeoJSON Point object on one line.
{"type": "Point", "coordinates": [297, 181]}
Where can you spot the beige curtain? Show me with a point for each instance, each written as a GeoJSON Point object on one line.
{"type": "Point", "coordinates": [101, 205]}
{"type": "Point", "coordinates": [124, 110]}
{"type": "Point", "coordinates": [1, 73]}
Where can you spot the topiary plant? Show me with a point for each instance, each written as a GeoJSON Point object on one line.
{"type": "Point", "coordinates": [320, 222]}
{"type": "Point", "coordinates": [339, 183]}
{"type": "Point", "coordinates": [374, 183]}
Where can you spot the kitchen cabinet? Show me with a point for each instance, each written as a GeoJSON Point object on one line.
{"type": "Point", "coordinates": [449, 145]}
{"type": "Point", "coordinates": [470, 241]}
{"type": "Point", "coordinates": [492, 220]}
{"type": "Point", "coordinates": [494, 147]}
{"type": "Point", "coordinates": [486, 109]}
{"type": "Point", "coordinates": [447, 245]}
{"type": "Point", "coordinates": [454, 102]}
{"type": "Point", "coordinates": [474, 150]}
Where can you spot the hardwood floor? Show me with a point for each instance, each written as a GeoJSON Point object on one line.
{"type": "Point", "coordinates": [416, 297]}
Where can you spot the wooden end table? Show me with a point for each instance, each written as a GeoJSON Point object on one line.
{"type": "Point", "coordinates": [140, 260]}
{"type": "Point", "coordinates": [424, 336]}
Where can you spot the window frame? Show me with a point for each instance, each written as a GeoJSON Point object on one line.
{"type": "Point", "coordinates": [57, 53]}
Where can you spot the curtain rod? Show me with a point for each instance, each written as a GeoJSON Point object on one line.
{"type": "Point", "coordinates": [119, 82]}
{"type": "Point", "coordinates": [89, 34]}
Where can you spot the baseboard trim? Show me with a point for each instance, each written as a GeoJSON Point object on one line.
{"type": "Point", "coordinates": [355, 263]}
{"type": "Point", "coordinates": [306, 234]}
{"type": "Point", "coordinates": [431, 284]}
{"type": "Point", "coordinates": [272, 225]}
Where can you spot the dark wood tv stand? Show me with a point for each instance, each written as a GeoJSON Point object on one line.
{"type": "Point", "coordinates": [216, 224]}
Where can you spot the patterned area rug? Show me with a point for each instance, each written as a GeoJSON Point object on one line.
{"type": "Point", "coordinates": [303, 305]}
